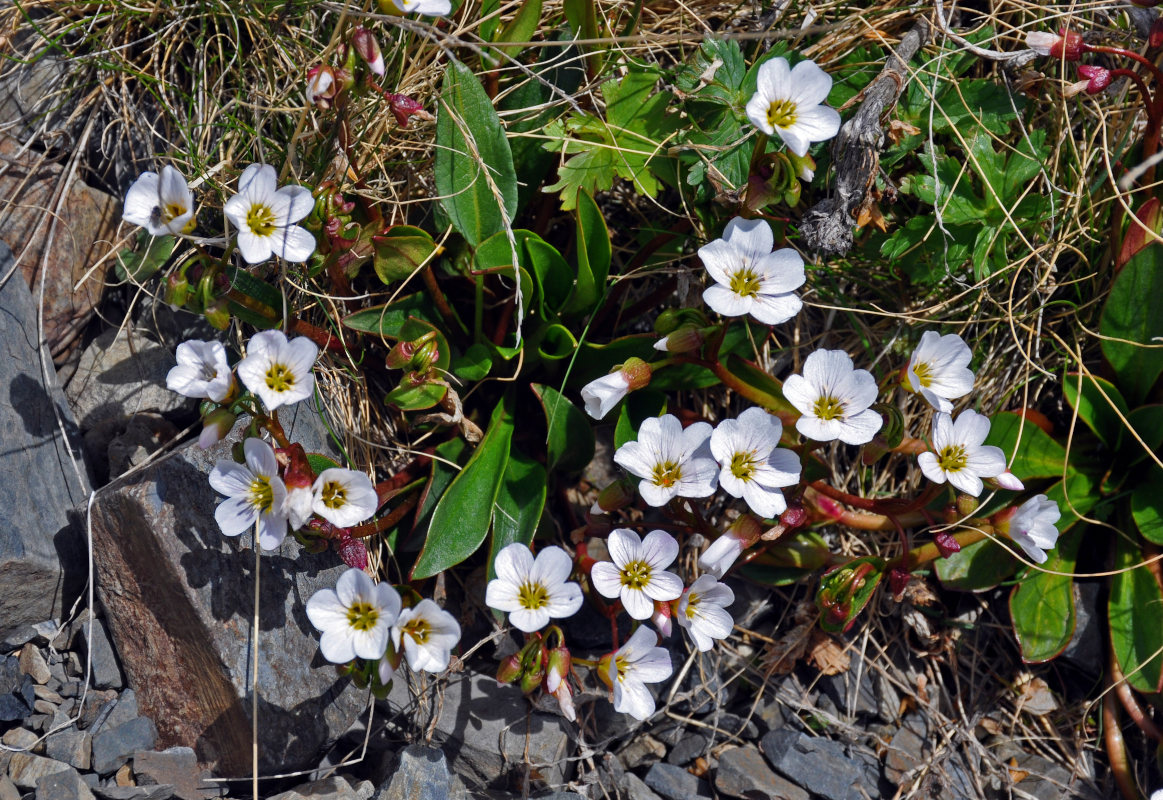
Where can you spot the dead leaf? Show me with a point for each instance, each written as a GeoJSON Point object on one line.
{"type": "Point", "coordinates": [780, 657]}
{"type": "Point", "coordinates": [1037, 698]}
{"type": "Point", "coordinates": [898, 129]}
{"type": "Point", "coordinates": [826, 654]}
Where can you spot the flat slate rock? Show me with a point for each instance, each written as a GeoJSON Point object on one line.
{"type": "Point", "coordinates": [42, 556]}
{"type": "Point", "coordinates": [64, 785]}
{"type": "Point", "coordinates": [421, 774]}
{"type": "Point", "coordinates": [675, 783]}
{"type": "Point", "coordinates": [819, 765]}
{"type": "Point", "coordinates": [743, 773]}
{"type": "Point", "coordinates": [179, 601]}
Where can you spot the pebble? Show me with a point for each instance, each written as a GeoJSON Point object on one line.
{"type": "Point", "coordinates": [642, 750]}
{"type": "Point", "coordinates": [48, 695]}
{"type": "Point", "coordinates": [177, 767]}
{"type": "Point", "coordinates": [19, 738]}
{"type": "Point", "coordinates": [676, 783]}
{"type": "Point", "coordinates": [743, 773]}
{"type": "Point", "coordinates": [64, 785]}
{"type": "Point", "coordinates": [113, 747]}
{"type": "Point", "coordinates": [32, 663]}
{"type": "Point", "coordinates": [635, 788]}
{"type": "Point", "coordinates": [688, 748]}
{"type": "Point", "coordinates": [71, 746]}
{"type": "Point", "coordinates": [15, 637]}
{"type": "Point", "coordinates": [26, 769]}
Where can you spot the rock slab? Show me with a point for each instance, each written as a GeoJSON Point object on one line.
{"type": "Point", "coordinates": [743, 773]}
{"type": "Point", "coordinates": [41, 547]}
{"type": "Point", "coordinates": [818, 765]}
{"type": "Point", "coordinates": [179, 601]}
{"type": "Point", "coordinates": [421, 774]}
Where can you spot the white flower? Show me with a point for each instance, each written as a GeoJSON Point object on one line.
{"type": "Point", "coordinates": [752, 465]}
{"type": "Point", "coordinates": [637, 573]}
{"type": "Point", "coordinates": [702, 610]}
{"type": "Point", "coordinates": [162, 205]}
{"type": "Point", "coordinates": [939, 369]}
{"type": "Point", "coordinates": [278, 371]}
{"type": "Point", "coordinates": [355, 617]}
{"type": "Point", "coordinates": [297, 506]}
{"type": "Point", "coordinates": [266, 215]}
{"type": "Point", "coordinates": [789, 102]}
{"type": "Point", "coordinates": [834, 399]}
{"type": "Point", "coordinates": [603, 394]}
{"type": "Point", "coordinates": [1008, 480]}
{"type": "Point", "coordinates": [320, 84]}
{"type": "Point", "coordinates": [721, 554]}
{"type": "Point", "coordinates": [670, 460]}
{"type": "Point", "coordinates": [202, 371]}
{"type": "Point", "coordinates": [632, 666]}
{"type": "Point", "coordinates": [431, 8]}
{"type": "Point", "coordinates": [958, 453]}
{"type": "Point", "coordinates": [532, 591]}
{"type": "Point", "coordinates": [255, 492]}
{"type": "Point", "coordinates": [1033, 526]}
{"type": "Point", "coordinates": [428, 634]}
{"type": "Point", "coordinates": [344, 497]}
{"type": "Point", "coordinates": [749, 277]}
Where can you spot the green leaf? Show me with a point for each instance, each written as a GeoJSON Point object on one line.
{"type": "Point", "coordinates": [474, 364]}
{"type": "Point", "coordinates": [399, 252]}
{"type": "Point", "coordinates": [416, 398]}
{"type": "Point", "coordinates": [1135, 600]}
{"type": "Point", "coordinates": [593, 256]}
{"type": "Point", "coordinates": [265, 306]}
{"type": "Point", "coordinates": [387, 320]}
{"type": "Point", "coordinates": [463, 516]}
{"type": "Point", "coordinates": [1035, 454]}
{"type": "Point", "coordinates": [556, 343]}
{"type": "Point", "coordinates": [1075, 496]}
{"type": "Point", "coordinates": [451, 455]}
{"type": "Point", "coordinates": [519, 29]}
{"type": "Point", "coordinates": [977, 567]}
{"type": "Point", "coordinates": [553, 275]}
{"type": "Point", "coordinates": [1147, 421]}
{"type": "Point", "coordinates": [520, 502]}
{"type": "Point", "coordinates": [319, 462]}
{"type": "Point", "coordinates": [789, 560]}
{"type": "Point", "coordinates": [569, 435]}
{"type": "Point", "coordinates": [1095, 409]}
{"type": "Point", "coordinates": [716, 72]}
{"type": "Point", "coordinates": [841, 583]}
{"type": "Point", "coordinates": [1042, 605]}
{"type": "Point", "coordinates": [150, 254]}
{"type": "Point", "coordinates": [1131, 327]}
{"type": "Point", "coordinates": [1147, 505]}
{"type": "Point", "coordinates": [635, 408]}
{"type": "Point", "coordinates": [460, 166]}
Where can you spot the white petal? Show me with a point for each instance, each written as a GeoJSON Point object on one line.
{"type": "Point", "coordinates": [623, 546]}
{"type": "Point", "coordinates": [767, 503]}
{"type": "Point", "coordinates": [809, 84]}
{"type": "Point", "coordinates": [502, 595]}
{"type": "Point", "coordinates": [254, 248]}
{"type": "Point", "coordinates": [235, 516]}
{"type": "Point", "coordinates": [726, 302]}
{"type": "Point", "coordinates": [607, 579]}
{"type": "Point", "coordinates": [636, 603]}
{"type": "Point", "coordinates": [930, 467]}
{"type": "Point", "coordinates": [965, 481]}
{"type": "Point", "coordinates": [272, 530]}
{"type": "Point", "coordinates": [663, 586]}
{"type": "Point", "coordinates": [659, 549]}
{"type": "Point", "coordinates": [775, 309]}
{"type": "Point", "coordinates": [798, 391]}
{"type": "Point", "coordinates": [513, 564]}
{"type": "Point", "coordinates": [528, 619]}
{"type": "Point", "coordinates": [657, 496]}
{"type": "Point", "coordinates": [721, 260]}
{"type": "Point", "coordinates": [756, 111]}
{"type": "Point", "coordinates": [816, 124]}
{"type": "Point", "coordinates": [971, 428]}
{"type": "Point", "coordinates": [752, 237]}
{"type": "Point", "coordinates": [861, 428]}
{"type": "Point", "coordinates": [141, 201]}
{"type": "Point", "coordinates": [299, 202]}
{"type": "Point", "coordinates": [325, 611]}
{"type": "Point", "coordinates": [633, 698]}
{"type": "Point", "coordinates": [552, 567]}
{"type": "Point", "coordinates": [337, 645]}
{"type": "Point", "coordinates": [794, 139]}
{"type": "Point", "coordinates": [634, 458]}
{"type": "Point", "coordinates": [293, 243]}
{"type": "Point", "coordinates": [565, 601]}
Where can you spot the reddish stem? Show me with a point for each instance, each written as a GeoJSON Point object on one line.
{"type": "Point", "coordinates": [1116, 750]}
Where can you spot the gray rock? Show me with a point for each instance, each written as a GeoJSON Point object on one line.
{"type": "Point", "coordinates": [332, 788]}
{"type": "Point", "coordinates": [1044, 780]}
{"type": "Point", "coordinates": [676, 783]}
{"type": "Point", "coordinates": [743, 773]}
{"type": "Point", "coordinates": [42, 558]}
{"type": "Point", "coordinates": [13, 638]}
{"type": "Point", "coordinates": [71, 746]}
{"type": "Point", "coordinates": [93, 641]}
{"type": "Point", "coordinates": [635, 788]}
{"type": "Point", "coordinates": [176, 767]}
{"type": "Point", "coordinates": [819, 765]}
{"type": "Point", "coordinates": [179, 601]}
{"type": "Point", "coordinates": [113, 747]}
{"type": "Point", "coordinates": [487, 729]}
{"type": "Point", "coordinates": [689, 747]}
{"type": "Point", "coordinates": [732, 725]}
{"type": "Point", "coordinates": [642, 750]}
{"type": "Point", "coordinates": [158, 792]}
{"type": "Point", "coordinates": [42, 692]}
{"type": "Point", "coordinates": [8, 790]}
{"type": "Point", "coordinates": [908, 749]}
{"type": "Point", "coordinates": [421, 774]}
{"type": "Point", "coordinates": [1085, 649]}
{"type": "Point", "coordinates": [64, 785]}
{"type": "Point", "coordinates": [26, 769]}
{"type": "Point", "coordinates": [19, 739]}
{"type": "Point", "coordinates": [703, 689]}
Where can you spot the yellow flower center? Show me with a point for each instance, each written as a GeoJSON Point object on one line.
{"type": "Point", "coordinates": [362, 616]}
{"type": "Point", "coordinates": [419, 629]}
{"type": "Point", "coordinates": [666, 474]}
{"type": "Point", "coordinates": [692, 605]}
{"type": "Point", "coordinates": [827, 407]}
{"type": "Point", "coordinates": [280, 378]}
{"type": "Point", "coordinates": [532, 596]}
{"type": "Point", "coordinates": [781, 114]}
{"type": "Point", "coordinates": [261, 220]}
{"type": "Point", "coordinates": [744, 282]}
{"type": "Point", "coordinates": [171, 211]}
{"type": "Point", "coordinates": [924, 373]}
{"type": "Point", "coordinates": [636, 575]}
{"type": "Point", "coordinates": [262, 496]}
{"type": "Point", "coordinates": [334, 494]}
{"type": "Point", "coordinates": [743, 465]}
{"type": "Point", "coordinates": [953, 458]}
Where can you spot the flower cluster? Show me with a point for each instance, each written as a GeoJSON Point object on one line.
{"type": "Point", "coordinates": [263, 213]}
{"type": "Point", "coordinates": [363, 619]}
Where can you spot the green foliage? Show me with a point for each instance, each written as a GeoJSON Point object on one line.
{"type": "Point", "coordinates": [474, 166]}
{"type": "Point", "coordinates": [1130, 327]}
{"type": "Point", "coordinates": [1135, 594]}
{"type": "Point", "coordinates": [977, 567]}
{"type": "Point", "coordinates": [520, 501]}
{"type": "Point", "coordinates": [150, 254]}
{"type": "Point", "coordinates": [1042, 605]}
{"type": "Point", "coordinates": [569, 438]}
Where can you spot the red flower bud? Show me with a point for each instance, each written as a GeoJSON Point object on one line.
{"type": "Point", "coordinates": [368, 48]}
{"type": "Point", "coordinates": [1097, 78]}
{"type": "Point", "coordinates": [946, 544]}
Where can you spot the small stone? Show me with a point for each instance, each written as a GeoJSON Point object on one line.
{"type": "Point", "coordinates": [124, 709]}
{"type": "Point", "coordinates": [47, 694]}
{"type": "Point", "coordinates": [772, 717]}
{"type": "Point", "coordinates": [106, 670]}
{"type": "Point", "coordinates": [94, 708]}
{"type": "Point", "coordinates": [124, 776]}
{"type": "Point", "coordinates": [819, 765]}
{"type": "Point", "coordinates": [676, 783]}
{"type": "Point", "coordinates": [642, 750]}
{"type": "Point", "coordinates": [177, 766]}
{"type": "Point", "coordinates": [113, 747]}
{"type": "Point", "coordinates": [26, 769]}
{"type": "Point", "coordinates": [8, 790]}
{"type": "Point", "coordinates": [32, 663]}
{"type": "Point", "coordinates": [635, 788]}
{"type": "Point", "coordinates": [65, 785]}
{"type": "Point", "coordinates": [15, 637]}
{"type": "Point", "coordinates": [421, 774]}
{"type": "Point", "coordinates": [159, 792]}
{"type": "Point", "coordinates": [71, 746]}
{"type": "Point", "coordinates": [44, 707]}
{"type": "Point", "coordinates": [16, 692]}
{"type": "Point", "coordinates": [743, 773]}
{"type": "Point", "coordinates": [732, 725]}
{"type": "Point", "coordinates": [907, 749]}
{"type": "Point", "coordinates": [689, 747]}
{"type": "Point", "coordinates": [19, 739]}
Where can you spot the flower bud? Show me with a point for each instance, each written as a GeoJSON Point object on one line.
{"type": "Point", "coordinates": [804, 166]}
{"type": "Point", "coordinates": [404, 108]}
{"type": "Point", "coordinates": [662, 618]}
{"type": "Point", "coordinates": [177, 290]}
{"type": "Point", "coordinates": [531, 678]}
{"type": "Point", "coordinates": [558, 669]}
{"type": "Point", "coordinates": [1155, 37]}
{"type": "Point", "coordinates": [510, 669]}
{"type": "Point", "coordinates": [1097, 78]}
{"type": "Point", "coordinates": [1008, 480]}
{"type": "Point", "coordinates": [684, 339]}
{"type": "Point", "coordinates": [618, 494]}
{"type": "Point", "coordinates": [369, 49]}
{"type": "Point", "coordinates": [215, 426]}
{"type": "Point", "coordinates": [298, 478]}
{"type": "Point", "coordinates": [898, 581]}
{"type": "Point", "coordinates": [323, 85]}
{"type": "Point", "coordinates": [1066, 45]}
{"type": "Point", "coordinates": [719, 557]}
{"type": "Point", "coordinates": [401, 355]}
{"type": "Point", "coordinates": [637, 373]}
{"type": "Point", "coordinates": [794, 517]}
{"type": "Point", "coordinates": [218, 314]}
{"type": "Point", "coordinates": [353, 551]}
{"type": "Point", "coordinates": [564, 696]}
{"type": "Point", "coordinates": [966, 504]}
{"type": "Point", "coordinates": [946, 544]}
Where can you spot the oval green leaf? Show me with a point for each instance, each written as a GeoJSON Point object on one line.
{"type": "Point", "coordinates": [1135, 597]}
{"type": "Point", "coordinates": [1042, 605]}
{"type": "Point", "coordinates": [569, 435]}
{"type": "Point", "coordinates": [519, 505]}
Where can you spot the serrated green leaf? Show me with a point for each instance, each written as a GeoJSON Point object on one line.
{"type": "Point", "coordinates": [1132, 328]}
{"type": "Point", "coordinates": [569, 444]}
{"type": "Point", "coordinates": [520, 502]}
{"type": "Point", "coordinates": [976, 567]}
{"type": "Point", "coordinates": [462, 517]}
{"type": "Point", "coordinates": [1135, 597]}
{"type": "Point", "coordinates": [1042, 605]}
{"type": "Point", "coordinates": [717, 71]}
{"type": "Point", "coordinates": [466, 195]}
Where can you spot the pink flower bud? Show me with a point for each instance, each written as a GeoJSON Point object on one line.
{"type": "Point", "coordinates": [353, 551]}
{"type": "Point", "coordinates": [558, 668]}
{"type": "Point", "coordinates": [663, 618]}
{"type": "Point", "coordinates": [685, 339]}
{"type": "Point", "coordinates": [1008, 480]}
{"type": "Point", "coordinates": [404, 108]}
{"type": "Point", "coordinates": [510, 669]}
{"type": "Point", "coordinates": [215, 426]}
{"type": "Point", "coordinates": [946, 544]}
{"type": "Point", "coordinates": [369, 49]}
{"type": "Point", "coordinates": [637, 373]}
{"type": "Point", "coordinates": [1097, 78]}
{"type": "Point", "coordinates": [323, 84]}
{"type": "Point", "coordinates": [1066, 45]}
